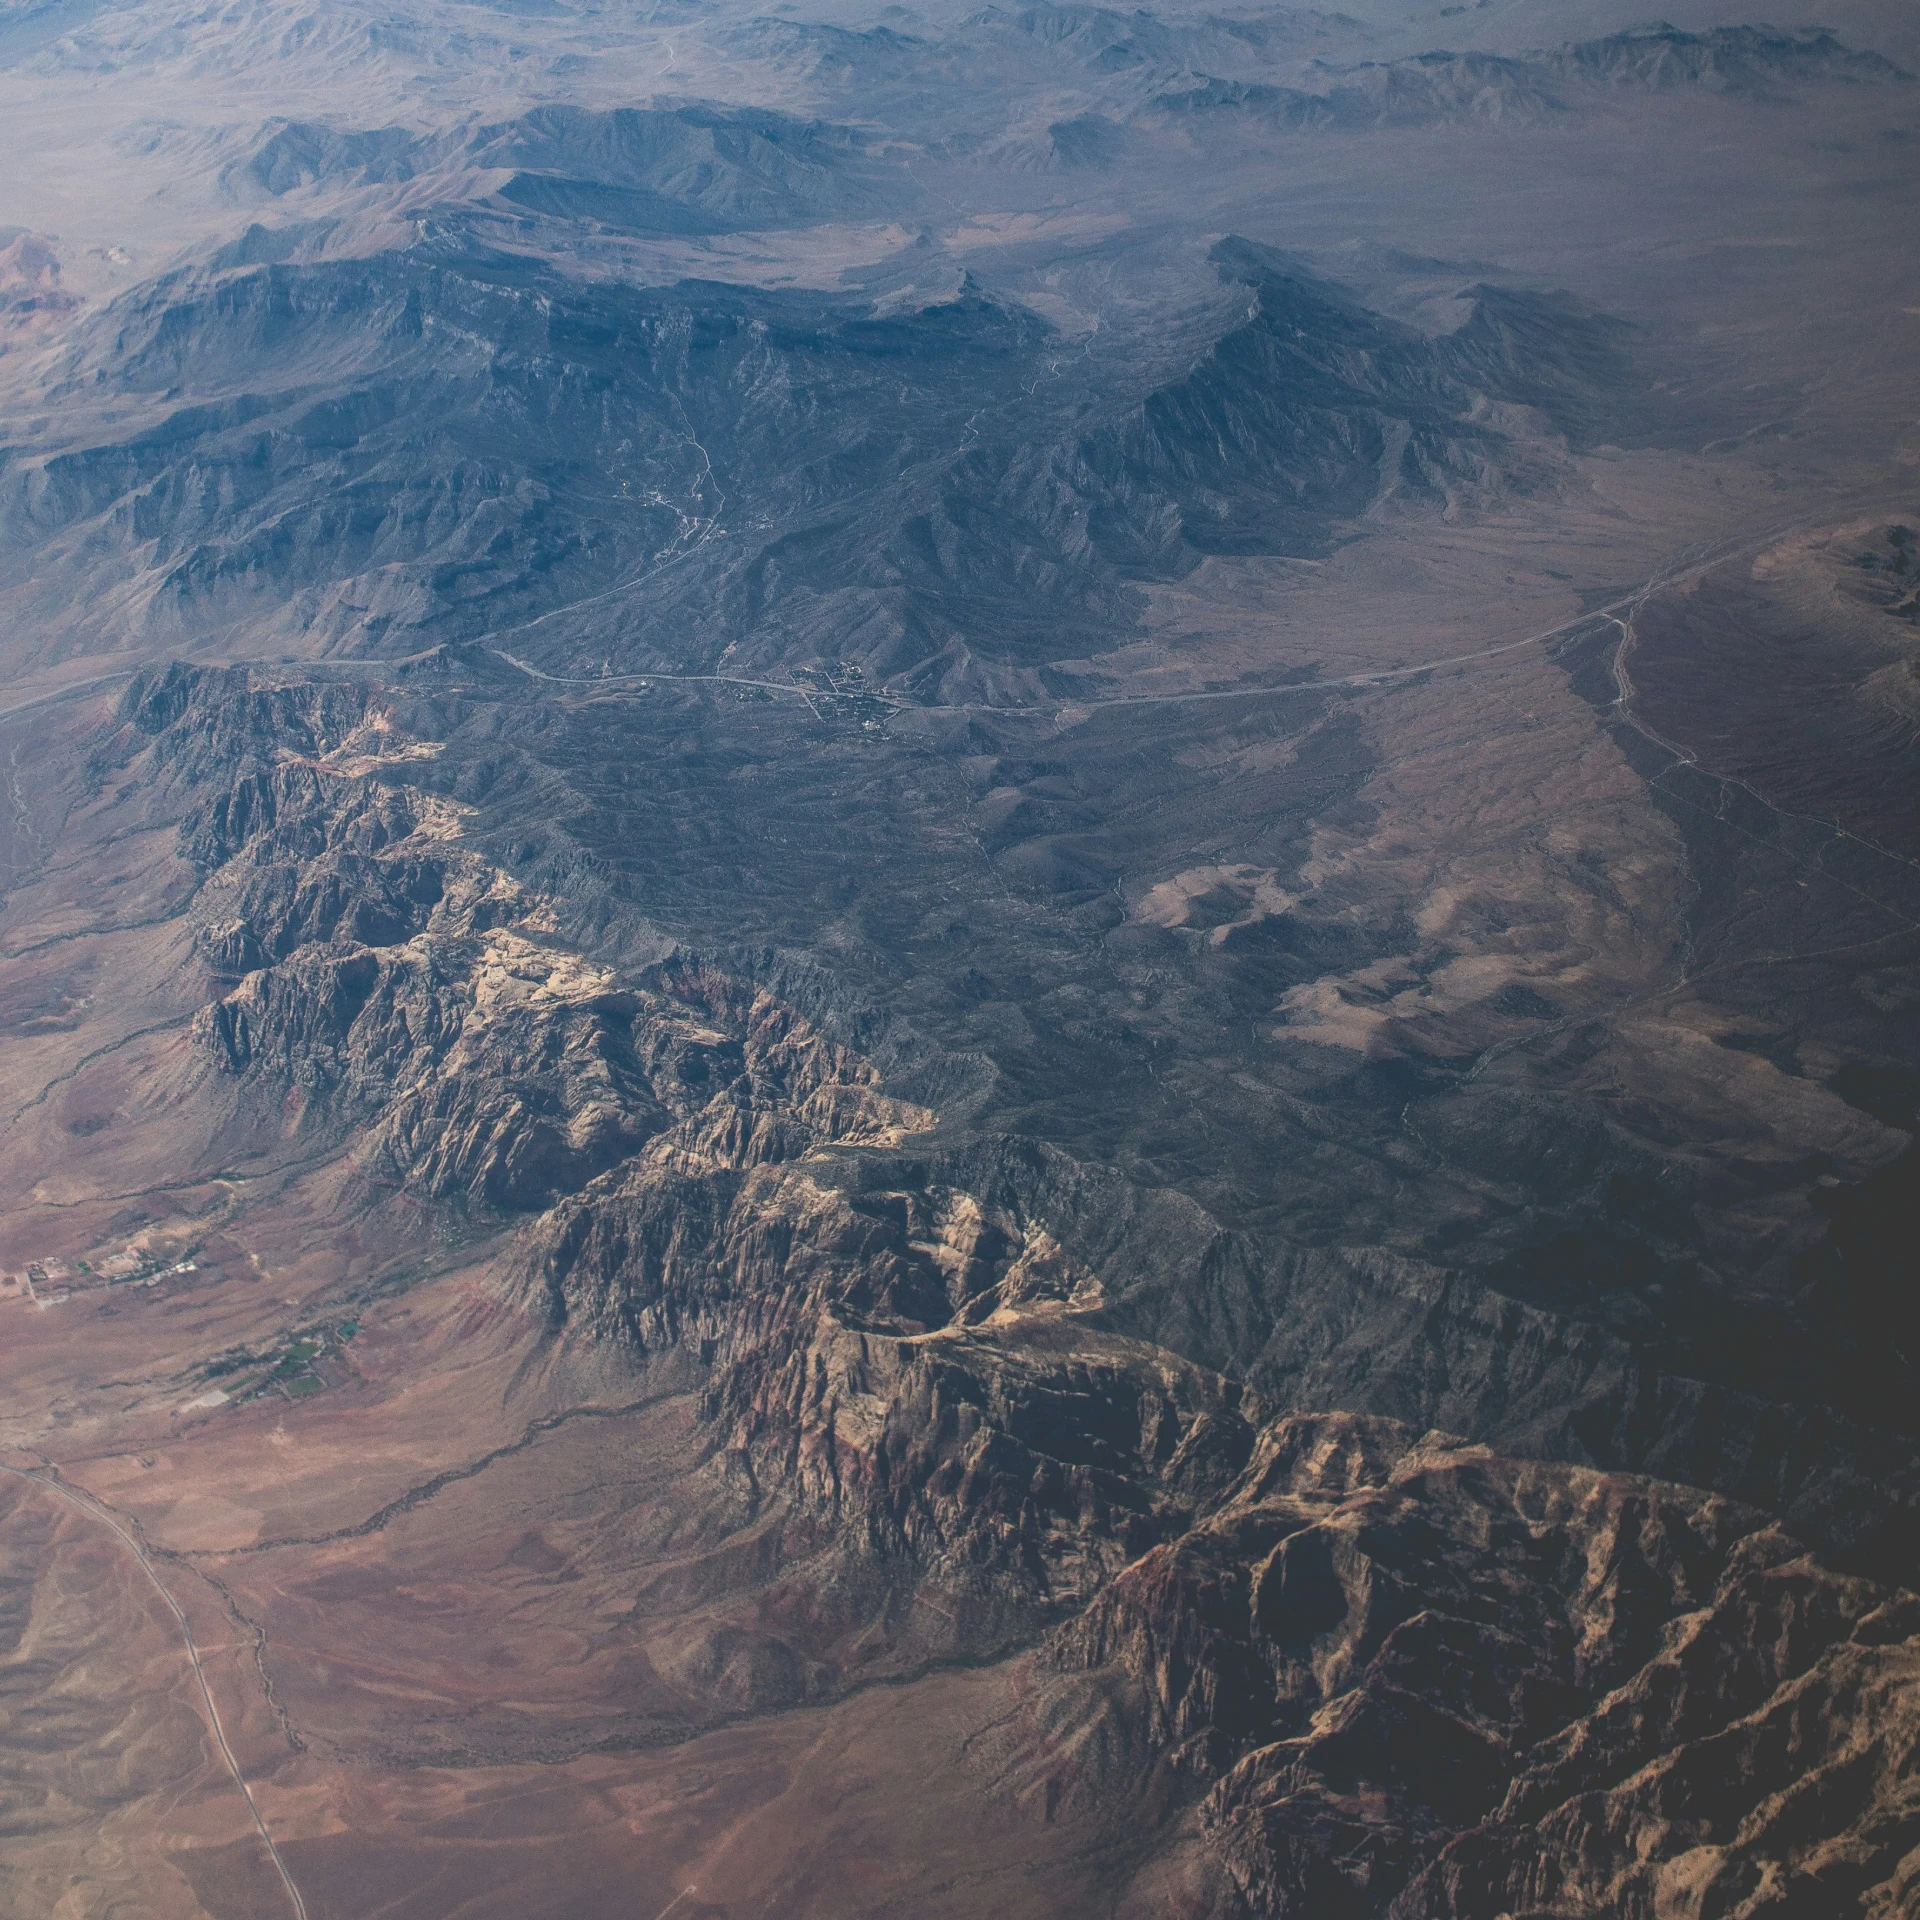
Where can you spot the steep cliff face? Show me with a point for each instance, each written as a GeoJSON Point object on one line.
{"type": "Point", "coordinates": [1354, 1668]}
{"type": "Point", "coordinates": [1384, 1673]}
{"type": "Point", "coordinates": [922, 1373]}
{"type": "Point", "coordinates": [1430, 1681]}
{"type": "Point", "coordinates": [381, 975]}
{"type": "Point", "coordinates": [386, 980]}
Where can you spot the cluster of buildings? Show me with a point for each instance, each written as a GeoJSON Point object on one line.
{"type": "Point", "coordinates": [46, 1283]}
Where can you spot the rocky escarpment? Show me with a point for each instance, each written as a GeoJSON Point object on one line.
{"type": "Point", "coordinates": [384, 980]}
{"type": "Point", "coordinates": [1353, 1671]}
{"type": "Point", "coordinates": [1366, 1672]}
{"type": "Point", "coordinates": [1426, 1680]}
{"type": "Point", "coordinates": [920, 1374]}
{"type": "Point", "coordinates": [390, 989]}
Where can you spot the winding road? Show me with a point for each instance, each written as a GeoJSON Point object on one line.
{"type": "Point", "coordinates": [1691, 561]}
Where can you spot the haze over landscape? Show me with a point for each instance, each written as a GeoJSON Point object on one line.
{"type": "Point", "coordinates": [959, 960]}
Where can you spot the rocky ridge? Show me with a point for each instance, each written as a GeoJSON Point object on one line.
{"type": "Point", "coordinates": [1433, 1680]}
{"type": "Point", "coordinates": [1381, 1671]}
{"type": "Point", "coordinates": [384, 977]}
{"type": "Point", "coordinates": [1365, 1670]}
{"type": "Point", "coordinates": [387, 983]}
{"type": "Point", "coordinates": [1444, 87]}
{"type": "Point", "coordinates": [586, 439]}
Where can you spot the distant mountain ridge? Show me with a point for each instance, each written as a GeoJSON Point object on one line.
{"type": "Point", "coordinates": [1740, 62]}
{"type": "Point", "coordinates": [685, 169]}
{"type": "Point", "coordinates": [498, 443]}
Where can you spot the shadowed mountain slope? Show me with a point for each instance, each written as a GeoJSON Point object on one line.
{"type": "Point", "coordinates": [958, 960]}
{"type": "Point", "coordinates": [500, 445]}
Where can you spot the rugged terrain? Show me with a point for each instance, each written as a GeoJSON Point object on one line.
{"type": "Point", "coordinates": [958, 962]}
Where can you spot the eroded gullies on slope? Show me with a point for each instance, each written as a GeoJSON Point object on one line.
{"type": "Point", "coordinates": [586, 439]}
{"type": "Point", "coordinates": [504, 1072]}
{"type": "Point", "coordinates": [849, 1174]}
{"type": "Point", "coordinates": [902, 1410]}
